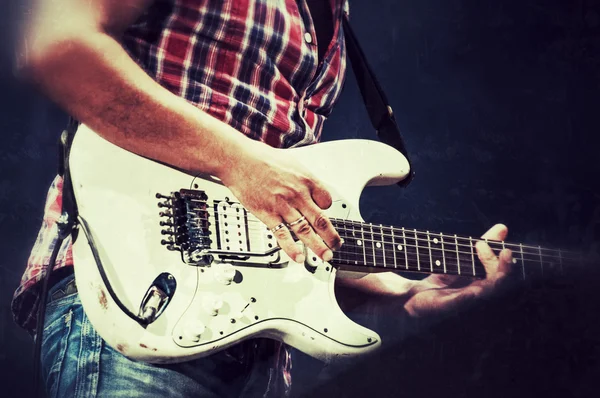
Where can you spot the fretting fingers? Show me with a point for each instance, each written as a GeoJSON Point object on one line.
{"type": "Point", "coordinates": [323, 227]}
{"type": "Point", "coordinates": [302, 228]}
{"type": "Point", "coordinates": [496, 266]}
{"type": "Point", "coordinates": [281, 232]}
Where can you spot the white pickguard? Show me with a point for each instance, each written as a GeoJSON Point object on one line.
{"type": "Point", "coordinates": [116, 195]}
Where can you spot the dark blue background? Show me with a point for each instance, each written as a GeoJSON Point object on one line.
{"type": "Point", "coordinates": [499, 102]}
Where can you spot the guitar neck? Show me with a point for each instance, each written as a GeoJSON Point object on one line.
{"type": "Point", "coordinates": [377, 247]}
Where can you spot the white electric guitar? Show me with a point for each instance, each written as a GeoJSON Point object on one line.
{"type": "Point", "coordinates": [170, 267]}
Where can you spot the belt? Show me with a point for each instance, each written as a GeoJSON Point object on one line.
{"type": "Point", "coordinates": [58, 292]}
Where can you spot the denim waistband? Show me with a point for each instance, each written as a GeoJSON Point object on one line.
{"type": "Point", "coordinates": [63, 287]}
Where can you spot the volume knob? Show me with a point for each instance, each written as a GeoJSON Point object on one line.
{"type": "Point", "coordinates": [225, 274]}
{"type": "Point", "coordinates": [193, 330]}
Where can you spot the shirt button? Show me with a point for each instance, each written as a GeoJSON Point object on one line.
{"type": "Point", "coordinates": [308, 38]}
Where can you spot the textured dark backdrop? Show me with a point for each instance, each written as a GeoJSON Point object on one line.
{"type": "Point", "coordinates": [499, 102]}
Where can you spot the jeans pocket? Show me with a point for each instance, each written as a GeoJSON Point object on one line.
{"type": "Point", "coordinates": [57, 329]}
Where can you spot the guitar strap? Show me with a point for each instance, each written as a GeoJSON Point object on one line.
{"type": "Point", "coordinates": [380, 112]}
{"type": "Point", "coordinates": [66, 226]}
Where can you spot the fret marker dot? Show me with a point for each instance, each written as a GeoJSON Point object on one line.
{"type": "Point", "coordinates": [378, 245]}
{"type": "Point", "coordinates": [437, 262]}
{"type": "Point", "coordinates": [358, 242]}
{"type": "Point", "coordinates": [435, 240]}
{"type": "Point", "coordinates": [514, 260]}
{"type": "Point", "coordinates": [399, 247]}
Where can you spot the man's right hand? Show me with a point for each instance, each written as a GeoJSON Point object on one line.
{"type": "Point", "coordinates": [279, 192]}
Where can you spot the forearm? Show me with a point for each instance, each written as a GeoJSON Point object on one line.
{"type": "Point", "coordinates": [93, 78]}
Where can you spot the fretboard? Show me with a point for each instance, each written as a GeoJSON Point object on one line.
{"type": "Point", "coordinates": [385, 247]}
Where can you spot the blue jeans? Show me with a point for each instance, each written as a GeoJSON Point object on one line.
{"type": "Point", "coordinates": [76, 362]}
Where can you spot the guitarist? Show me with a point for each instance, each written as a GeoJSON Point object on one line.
{"type": "Point", "coordinates": [218, 87]}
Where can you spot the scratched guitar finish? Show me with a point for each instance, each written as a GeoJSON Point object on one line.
{"type": "Point", "coordinates": [186, 271]}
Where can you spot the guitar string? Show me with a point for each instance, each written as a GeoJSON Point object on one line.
{"type": "Point", "coordinates": [523, 253]}
{"type": "Point", "coordinates": [425, 264]}
{"type": "Point", "coordinates": [253, 218]}
{"type": "Point", "coordinates": [518, 248]}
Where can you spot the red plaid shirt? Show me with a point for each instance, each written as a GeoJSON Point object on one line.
{"type": "Point", "coordinates": [252, 64]}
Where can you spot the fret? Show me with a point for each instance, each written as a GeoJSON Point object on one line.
{"type": "Point", "coordinates": [552, 261]}
{"type": "Point", "coordinates": [417, 250]}
{"type": "Point", "coordinates": [457, 255]}
{"type": "Point", "coordinates": [355, 246]}
{"type": "Point", "coordinates": [405, 248]}
{"type": "Point", "coordinates": [472, 255]}
{"type": "Point", "coordinates": [341, 255]}
{"type": "Point", "coordinates": [443, 254]}
{"type": "Point", "coordinates": [522, 260]}
{"type": "Point", "coordinates": [531, 256]}
{"type": "Point", "coordinates": [382, 237]}
{"type": "Point", "coordinates": [362, 244]}
{"type": "Point", "coordinates": [495, 246]}
{"type": "Point", "coordinates": [430, 255]}
{"type": "Point", "coordinates": [503, 245]}
{"type": "Point", "coordinates": [514, 260]}
{"type": "Point", "coordinates": [370, 242]}
{"type": "Point", "coordinates": [394, 249]}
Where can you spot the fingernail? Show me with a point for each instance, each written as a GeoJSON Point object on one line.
{"type": "Point", "coordinates": [328, 255]}
{"type": "Point", "coordinates": [300, 258]}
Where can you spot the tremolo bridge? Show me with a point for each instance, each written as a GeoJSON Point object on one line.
{"type": "Point", "coordinates": [201, 229]}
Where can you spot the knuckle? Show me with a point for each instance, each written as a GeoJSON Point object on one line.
{"type": "Point", "coordinates": [287, 194]}
{"type": "Point", "coordinates": [303, 229]}
{"type": "Point", "coordinates": [322, 222]}
{"type": "Point", "coordinates": [306, 180]}
{"type": "Point", "coordinates": [281, 234]}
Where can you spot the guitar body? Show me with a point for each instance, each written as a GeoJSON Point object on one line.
{"type": "Point", "coordinates": [241, 288]}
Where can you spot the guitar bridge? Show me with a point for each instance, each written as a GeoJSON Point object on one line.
{"type": "Point", "coordinates": [185, 218]}
{"type": "Point", "coordinates": [200, 229]}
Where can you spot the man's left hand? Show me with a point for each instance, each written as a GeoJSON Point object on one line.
{"type": "Point", "coordinates": [435, 295]}
{"type": "Point", "coordinates": [439, 293]}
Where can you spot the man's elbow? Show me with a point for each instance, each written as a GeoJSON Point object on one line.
{"type": "Point", "coordinates": [41, 58]}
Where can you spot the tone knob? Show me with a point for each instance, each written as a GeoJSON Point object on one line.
{"type": "Point", "coordinates": [193, 330]}
{"type": "Point", "coordinates": [212, 306]}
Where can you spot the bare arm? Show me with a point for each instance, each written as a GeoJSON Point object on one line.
{"type": "Point", "coordinates": [72, 53]}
